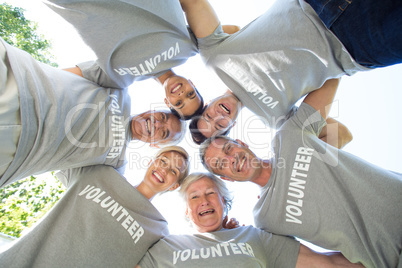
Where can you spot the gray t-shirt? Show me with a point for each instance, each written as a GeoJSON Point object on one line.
{"type": "Point", "coordinates": [133, 40]}
{"type": "Point", "coordinates": [67, 121]}
{"type": "Point", "coordinates": [239, 247]}
{"type": "Point", "coordinates": [329, 197]}
{"type": "Point", "coordinates": [277, 58]}
{"type": "Point", "coordinates": [101, 221]}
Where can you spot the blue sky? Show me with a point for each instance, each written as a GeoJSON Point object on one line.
{"type": "Point", "coordinates": [367, 103]}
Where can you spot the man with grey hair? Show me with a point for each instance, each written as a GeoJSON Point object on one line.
{"type": "Point", "coordinates": [53, 120]}
{"type": "Point", "coordinates": [316, 192]}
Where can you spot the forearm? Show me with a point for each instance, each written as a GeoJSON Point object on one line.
{"type": "Point", "coordinates": [75, 70]}
{"type": "Point", "coordinates": [335, 133]}
{"type": "Point", "coordinates": [322, 98]}
{"type": "Point", "coordinates": [201, 17]}
{"type": "Point", "coordinates": [336, 259]}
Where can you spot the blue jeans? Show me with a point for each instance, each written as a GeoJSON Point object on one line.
{"type": "Point", "coordinates": [371, 30]}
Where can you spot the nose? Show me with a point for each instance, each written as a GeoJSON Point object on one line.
{"type": "Point", "coordinates": [219, 116]}
{"type": "Point", "coordinates": [228, 161]}
{"type": "Point", "coordinates": [204, 200]}
{"type": "Point", "coordinates": [181, 91]}
{"type": "Point", "coordinates": [157, 124]}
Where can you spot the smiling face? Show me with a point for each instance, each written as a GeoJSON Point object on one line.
{"type": "Point", "coordinates": [181, 95]}
{"type": "Point", "coordinates": [232, 160]}
{"type": "Point", "coordinates": [219, 116]}
{"type": "Point", "coordinates": [165, 171]}
{"type": "Point", "coordinates": [156, 127]}
{"type": "Point", "coordinates": [205, 206]}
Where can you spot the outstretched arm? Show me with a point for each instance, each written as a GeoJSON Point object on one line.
{"type": "Point", "coordinates": [75, 70]}
{"type": "Point", "coordinates": [201, 17]}
{"type": "Point", "coordinates": [230, 29]}
{"type": "Point", "coordinates": [310, 259]}
{"type": "Point", "coordinates": [322, 98]}
{"type": "Point", "coordinates": [335, 133]}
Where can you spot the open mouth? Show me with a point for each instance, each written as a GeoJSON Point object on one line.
{"type": "Point", "coordinates": [224, 108]}
{"type": "Point", "coordinates": [176, 88]}
{"type": "Point", "coordinates": [158, 176]}
{"type": "Point", "coordinates": [241, 164]}
{"type": "Point", "coordinates": [207, 212]}
{"type": "Point", "coordinates": [149, 126]}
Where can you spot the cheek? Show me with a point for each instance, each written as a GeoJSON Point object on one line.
{"type": "Point", "coordinates": [189, 214]}
{"type": "Point", "coordinates": [172, 99]}
{"type": "Point", "coordinates": [172, 178]}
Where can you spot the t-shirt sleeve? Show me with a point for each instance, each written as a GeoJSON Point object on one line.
{"type": "Point", "coordinates": [309, 119]}
{"type": "Point", "coordinates": [93, 72]}
{"type": "Point", "coordinates": [282, 251]}
{"type": "Point", "coordinates": [147, 261]}
{"type": "Point", "coordinates": [65, 176]}
{"type": "Point", "coordinates": [208, 43]}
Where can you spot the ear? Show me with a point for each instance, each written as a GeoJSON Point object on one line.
{"type": "Point", "coordinates": [167, 103]}
{"type": "Point", "coordinates": [241, 143]}
{"type": "Point", "coordinates": [153, 145]}
{"type": "Point", "coordinates": [174, 187]}
{"type": "Point", "coordinates": [226, 178]}
{"type": "Point", "coordinates": [186, 213]}
{"type": "Point", "coordinates": [191, 83]}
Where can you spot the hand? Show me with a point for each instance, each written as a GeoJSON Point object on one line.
{"type": "Point", "coordinates": [231, 224]}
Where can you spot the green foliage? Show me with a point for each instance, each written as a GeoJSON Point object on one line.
{"type": "Point", "coordinates": [26, 201]}
{"type": "Point", "coordinates": [16, 30]}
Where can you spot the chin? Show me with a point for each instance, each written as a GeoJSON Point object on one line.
{"type": "Point", "coordinates": [209, 229]}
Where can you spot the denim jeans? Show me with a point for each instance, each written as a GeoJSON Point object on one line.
{"type": "Point", "coordinates": [371, 30]}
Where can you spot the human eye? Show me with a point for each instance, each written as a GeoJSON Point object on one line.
{"type": "Point", "coordinates": [164, 160]}
{"type": "Point", "coordinates": [191, 93]}
{"type": "Point", "coordinates": [164, 117]}
{"type": "Point", "coordinates": [228, 148]}
{"type": "Point", "coordinates": [175, 170]}
{"type": "Point", "coordinates": [178, 103]}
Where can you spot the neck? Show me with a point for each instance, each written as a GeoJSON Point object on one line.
{"type": "Point", "coordinates": [263, 178]}
{"type": "Point", "coordinates": [145, 191]}
{"type": "Point", "coordinates": [161, 79]}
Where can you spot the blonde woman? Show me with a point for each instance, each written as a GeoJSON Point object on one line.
{"type": "Point", "coordinates": [102, 220]}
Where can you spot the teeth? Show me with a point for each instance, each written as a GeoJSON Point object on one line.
{"type": "Point", "coordinates": [158, 177]}
{"type": "Point", "coordinates": [152, 126]}
{"type": "Point", "coordinates": [176, 88]}
{"type": "Point", "coordinates": [242, 164]}
{"type": "Point", "coordinates": [206, 211]}
{"type": "Point", "coordinates": [148, 125]}
{"type": "Point", "coordinates": [224, 108]}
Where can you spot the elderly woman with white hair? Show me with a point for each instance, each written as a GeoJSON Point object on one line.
{"type": "Point", "coordinates": [207, 202]}
{"type": "Point", "coordinates": [102, 220]}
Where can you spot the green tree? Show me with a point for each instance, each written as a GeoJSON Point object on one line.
{"type": "Point", "coordinates": [16, 30]}
{"type": "Point", "coordinates": [25, 201]}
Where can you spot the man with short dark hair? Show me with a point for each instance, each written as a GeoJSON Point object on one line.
{"type": "Point", "coordinates": [314, 191]}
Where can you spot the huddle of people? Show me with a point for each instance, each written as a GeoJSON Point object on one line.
{"type": "Point", "coordinates": [78, 121]}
